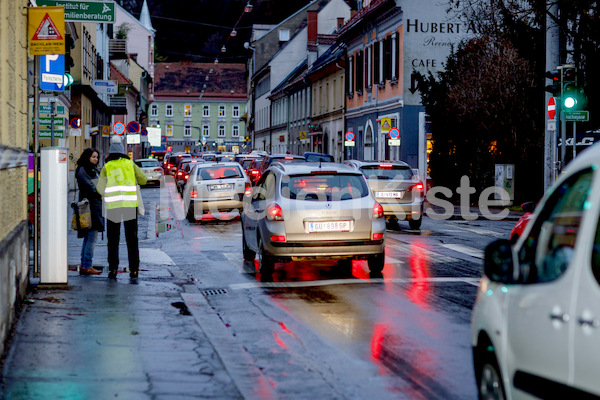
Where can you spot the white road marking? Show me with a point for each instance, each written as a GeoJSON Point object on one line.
{"type": "Point", "coordinates": [473, 252]}
{"type": "Point", "coordinates": [329, 282]}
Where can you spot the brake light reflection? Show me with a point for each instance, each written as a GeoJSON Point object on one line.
{"type": "Point", "coordinates": [420, 289]}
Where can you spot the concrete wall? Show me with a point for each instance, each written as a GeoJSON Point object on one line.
{"type": "Point", "coordinates": [14, 240]}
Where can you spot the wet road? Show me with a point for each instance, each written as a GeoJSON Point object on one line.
{"type": "Point", "coordinates": [315, 330]}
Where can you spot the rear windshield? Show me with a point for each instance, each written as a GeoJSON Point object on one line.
{"type": "Point", "coordinates": [207, 173]}
{"type": "Point", "coordinates": [387, 172]}
{"type": "Point", "coordinates": [290, 159]}
{"type": "Point", "coordinates": [324, 187]}
{"type": "Point", "coordinates": [319, 157]}
{"type": "Point", "coordinates": [147, 164]}
{"type": "Point", "coordinates": [245, 162]}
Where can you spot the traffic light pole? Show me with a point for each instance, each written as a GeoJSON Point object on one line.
{"type": "Point", "coordinates": [552, 60]}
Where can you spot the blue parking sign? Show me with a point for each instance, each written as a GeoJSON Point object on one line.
{"type": "Point", "coordinates": [52, 70]}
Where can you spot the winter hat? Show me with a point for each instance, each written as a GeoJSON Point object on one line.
{"type": "Point", "coordinates": [116, 146]}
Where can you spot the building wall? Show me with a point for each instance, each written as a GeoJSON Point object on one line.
{"type": "Point", "coordinates": [14, 240]}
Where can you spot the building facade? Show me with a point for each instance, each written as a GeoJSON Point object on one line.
{"type": "Point", "coordinates": [14, 144]}
{"type": "Point", "coordinates": [199, 107]}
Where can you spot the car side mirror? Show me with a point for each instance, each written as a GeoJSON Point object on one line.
{"type": "Point", "coordinates": [498, 263]}
{"type": "Point", "coordinates": [528, 207]}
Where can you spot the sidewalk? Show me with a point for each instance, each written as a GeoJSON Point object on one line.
{"type": "Point", "coordinates": [103, 339]}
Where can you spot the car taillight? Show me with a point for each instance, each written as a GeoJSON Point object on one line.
{"type": "Point", "coordinates": [377, 236]}
{"type": "Point", "coordinates": [385, 165]}
{"type": "Point", "coordinates": [377, 211]}
{"type": "Point", "coordinates": [248, 189]}
{"type": "Point", "coordinates": [416, 186]}
{"type": "Point", "coordinates": [193, 194]}
{"type": "Point", "coordinates": [274, 212]}
{"type": "Point", "coordinates": [186, 176]}
{"type": "Point", "coordinates": [179, 173]}
{"type": "Point", "coordinates": [278, 238]}
{"type": "Point", "coordinates": [254, 172]}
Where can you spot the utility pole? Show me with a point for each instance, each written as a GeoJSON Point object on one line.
{"type": "Point", "coordinates": [552, 60]}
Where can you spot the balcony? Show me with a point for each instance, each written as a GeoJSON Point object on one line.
{"type": "Point", "coordinates": [117, 48]}
{"type": "Point", "coordinates": [118, 104]}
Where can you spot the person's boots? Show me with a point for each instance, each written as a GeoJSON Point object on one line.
{"type": "Point", "coordinates": [112, 274]}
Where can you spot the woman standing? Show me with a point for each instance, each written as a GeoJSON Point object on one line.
{"type": "Point", "coordinates": [87, 176]}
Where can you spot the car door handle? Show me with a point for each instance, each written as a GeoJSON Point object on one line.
{"type": "Point", "coordinates": [562, 317]}
{"type": "Point", "coordinates": [592, 323]}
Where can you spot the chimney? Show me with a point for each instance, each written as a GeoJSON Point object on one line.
{"type": "Point", "coordinates": [312, 27]}
{"type": "Point", "coordinates": [340, 22]}
{"type": "Point", "coordinates": [353, 13]}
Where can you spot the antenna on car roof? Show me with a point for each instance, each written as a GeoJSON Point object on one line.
{"type": "Point", "coordinates": [320, 163]}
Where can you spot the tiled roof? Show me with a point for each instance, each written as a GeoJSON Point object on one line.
{"type": "Point", "coordinates": [187, 79]}
{"type": "Point", "coordinates": [115, 74]}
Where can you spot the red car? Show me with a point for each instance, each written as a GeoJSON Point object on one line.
{"type": "Point", "coordinates": [517, 231]}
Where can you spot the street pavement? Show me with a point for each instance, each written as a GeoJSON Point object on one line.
{"type": "Point", "coordinates": [100, 339]}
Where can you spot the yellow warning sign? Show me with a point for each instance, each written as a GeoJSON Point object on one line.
{"type": "Point", "coordinates": [386, 124]}
{"type": "Point", "coordinates": [302, 135]}
{"type": "Point", "coordinates": [46, 30]}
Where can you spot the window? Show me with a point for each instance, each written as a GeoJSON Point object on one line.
{"type": "Point", "coordinates": [284, 35]}
{"type": "Point", "coordinates": [206, 130]}
{"type": "Point", "coordinates": [221, 131]}
{"type": "Point", "coordinates": [236, 111]}
{"type": "Point", "coordinates": [187, 130]}
{"type": "Point", "coordinates": [359, 72]}
{"type": "Point", "coordinates": [235, 131]}
{"type": "Point", "coordinates": [324, 187]}
{"type": "Point", "coordinates": [169, 131]}
{"type": "Point", "coordinates": [187, 110]}
{"type": "Point", "coordinates": [377, 62]}
{"type": "Point", "coordinates": [169, 110]}
{"type": "Point", "coordinates": [206, 110]}
{"type": "Point", "coordinates": [550, 245]}
{"type": "Point", "coordinates": [221, 110]}
{"type": "Point", "coordinates": [154, 110]}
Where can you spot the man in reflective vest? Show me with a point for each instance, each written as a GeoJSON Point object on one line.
{"type": "Point", "coordinates": [118, 185]}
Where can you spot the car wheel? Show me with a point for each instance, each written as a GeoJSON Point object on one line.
{"type": "Point", "coordinates": [415, 223]}
{"type": "Point", "coordinates": [490, 379]}
{"type": "Point", "coordinates": [190, 214]}
{"type": "Point", "coordinates": [249, 255]}
{"type": "Point", "coordinates": [265, 262]}
{"type": "Point", "coordinates": [376, 262]}
{"type": "Point", "coordinates": [392, 223]}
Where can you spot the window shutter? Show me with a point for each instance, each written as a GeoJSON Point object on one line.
{"type": "Point", "coordinates": [377, 78]}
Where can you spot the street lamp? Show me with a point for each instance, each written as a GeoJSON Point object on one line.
{"type": "Point", "coordinates": [248, 8]}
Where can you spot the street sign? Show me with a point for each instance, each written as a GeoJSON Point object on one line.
{"type": "Point", "coordinates": [350, 136]}
{"type": "Point", "coordinates": [133, 139]}
{"type": "Point", "coordinates": [551, 108]}
{"type": "Point", "coordinates": [52, 72]}
{"type": "Point", "coordinates": [48, 121]}
{"type": "Point", "coordinates": [46, 30]}
{"type": "Point", "coordinates": [47, 133]}
{"type": "Point", "coordinates": [84, 11]}
{"type": "Point", "coordinates": [119, 128]}
{"type": "Point", "coordinates": [133, 127]}
{"type": "Point", "coordinates": [577, 116]}
{"type": "Point", "coordinates": [75, 123]}
{"type": "Point", "coordinates": [47, 109]}
{"type": "Point", "coordinates": [144, 132]}
{"type": "Point", "coordinates": [108, 87]}
{"type": "Point", "coordinates": [393, 142]}
{"type": "Point", "coordinates": [386, 124]}
{"type": "Point", "coordinates": [75, 132]}
{"type": "Point", "coordinates": [154, 136]}
{"type": "Point", "coordinates": [394, 133]}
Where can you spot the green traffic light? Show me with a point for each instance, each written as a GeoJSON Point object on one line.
{"type": "Point", "coordinates": [570, 102]}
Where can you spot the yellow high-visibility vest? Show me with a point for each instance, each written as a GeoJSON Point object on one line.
{"type": "Point", "coordinates": [121, 187]}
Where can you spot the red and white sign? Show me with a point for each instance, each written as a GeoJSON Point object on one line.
{"type": "Point", "coordinates": [119, 128]}
{"type": "Point", "coordinates": [551, 108]}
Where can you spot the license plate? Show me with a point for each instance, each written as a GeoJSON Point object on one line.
{"type": "Point", "coordinates": [329, 226]}
{"type": "Point", "coordinates": [390, 195]}
{"type": "Point", "coordinates": [221, 186]}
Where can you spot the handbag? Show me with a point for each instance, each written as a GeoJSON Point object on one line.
{"type": "Point", "coordinates": [82, 216]}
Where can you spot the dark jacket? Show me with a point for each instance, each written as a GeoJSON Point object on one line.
{"type": "Point", "coordinates": [87, 190]}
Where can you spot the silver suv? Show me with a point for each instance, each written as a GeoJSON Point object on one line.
{"type": "Point", "coordinates": [312, 210]}
{"type": "Point", "coordinates": [396, 188]}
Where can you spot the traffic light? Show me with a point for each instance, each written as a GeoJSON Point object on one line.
{"type": "Point", "coordinates": [69, 45]}
{"type": "Point", "coordinates": [556, 87]}
{"type": "Point", "coordinates": [570, 91]}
